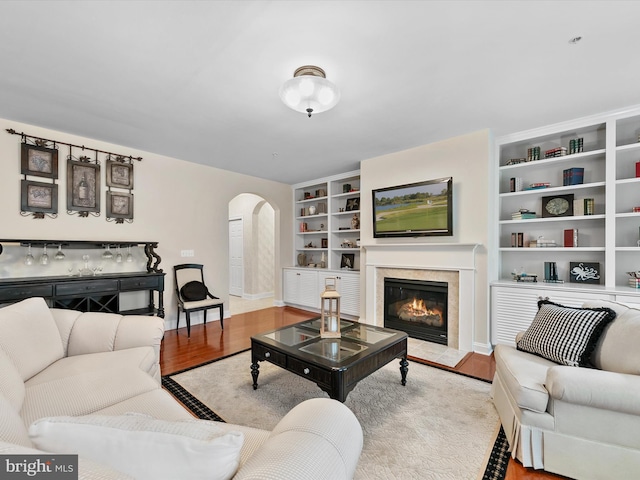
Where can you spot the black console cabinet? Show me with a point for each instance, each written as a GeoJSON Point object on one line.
{"type": "Point", "coordinates": [88, 294]}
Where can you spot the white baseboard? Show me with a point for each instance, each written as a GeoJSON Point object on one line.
{"type": "Point", "coordinates": [278, 303]}
{"type": "Point", "coordinates": [482, 348]}
{"type": "Point", "coordinates": [257, 296]}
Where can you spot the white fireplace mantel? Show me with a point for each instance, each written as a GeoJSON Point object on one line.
{"type": "Point", "coordinates": [458, 257]}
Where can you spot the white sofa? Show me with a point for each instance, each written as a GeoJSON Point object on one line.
{"type": "Point", "coordinates": [57, 363]}
{"type": "Point", "coordinates": [580, 422]}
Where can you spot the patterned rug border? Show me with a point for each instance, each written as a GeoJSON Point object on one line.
{"type": "Point", "coordinates": [497, 462]}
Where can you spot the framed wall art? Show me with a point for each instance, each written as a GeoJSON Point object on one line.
{"type": "Point", "coordinates": [353, 204]}
{"type": "Point", "coordinates": [120, 205]}
{"type": "Point", "coordinates": [39, 197]}
{"type": "Point", "coordinates": [39, 161]}
{"type": "Point", "coordinates": [119, 174]}
{"type": "Point", "coordinates": [584, 272]}
{"type": "Point", "coordinates": [83, 186]}
{"type": "Point", "coordinates": [347, 260]}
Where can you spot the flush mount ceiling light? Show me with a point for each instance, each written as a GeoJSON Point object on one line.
{"type": "Point", "coordinates": [309, 91]}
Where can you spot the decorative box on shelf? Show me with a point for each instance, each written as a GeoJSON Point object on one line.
{"type": "Point", "coordinates": [525, 277]}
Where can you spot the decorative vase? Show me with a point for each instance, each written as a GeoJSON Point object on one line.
{"type": "Point", "coordinates": [302, 259]}
{"type": "Point", "coordinates": [312, 210]}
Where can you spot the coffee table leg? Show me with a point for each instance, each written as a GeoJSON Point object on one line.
{"type": "Point", "coordinates": [404, 368]}
{"type": "Point", "coordinates": [254, 373]}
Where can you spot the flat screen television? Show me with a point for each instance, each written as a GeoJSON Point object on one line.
{"type": "Point", "coordinates": [414, 210]}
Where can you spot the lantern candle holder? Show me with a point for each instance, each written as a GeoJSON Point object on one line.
{"type": "Point", "coordinates": [330, 310]}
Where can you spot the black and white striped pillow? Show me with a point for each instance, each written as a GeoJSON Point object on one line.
{"type": "Point", "coordinates": [565, 335]}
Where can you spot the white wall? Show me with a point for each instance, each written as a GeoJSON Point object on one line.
{"type": "Point", "coordinates": [179, 204]}
{"type": "Point", "coordinates": [467, 159]}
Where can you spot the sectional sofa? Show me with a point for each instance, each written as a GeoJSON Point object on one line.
{"type": "Point", "coordinates": [89, 384]}
{"type": "Point", "coordinates": [578, 421]}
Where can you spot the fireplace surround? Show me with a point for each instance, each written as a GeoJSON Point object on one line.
{"type": "Point", "coordinates": [453, 263]}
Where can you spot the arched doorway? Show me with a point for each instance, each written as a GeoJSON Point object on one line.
{"type": "Point", "coordinates": [251, 253]}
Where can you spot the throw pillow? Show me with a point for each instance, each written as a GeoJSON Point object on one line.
{"type": "Point", "coordinates": [194, 291]}
{"type": "Point", "coordinates": [144, 447]}
{"type": "Point", "coordinates": [565, 335]}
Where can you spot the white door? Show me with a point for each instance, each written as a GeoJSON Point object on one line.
{"type": "Point", "coordinates": [236, 269]}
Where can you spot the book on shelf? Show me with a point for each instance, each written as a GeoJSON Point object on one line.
{"type": "Point", "coordinates": [535, 186]}
{"type": "Point", "coordinates": [515, 184]}
{"type": "Point", "coordinates": [517, 240]}
{"type": "Point", "coordinates": [576, 145]}
{"type": "Point", "coordinates": [571, 237]}
{"type": "Point", "coordinates": [543, 243]}
{"type": "Point", "coordinates": [555, 152]}
{"type": "Point", "coordinates": [573, 176]}
{"type": "Point", "coordinates": [523, 215]}
{"type": "Point", "coordinates": [634, 282]}
{"type": "Point", "coordinates": [584, 206]}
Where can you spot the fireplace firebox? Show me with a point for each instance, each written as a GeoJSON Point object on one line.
{"type": "Point", "coordinates": [417, 307]}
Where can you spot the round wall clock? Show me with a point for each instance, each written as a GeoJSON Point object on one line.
{"type": "Point", "coordinates": [557, 206]}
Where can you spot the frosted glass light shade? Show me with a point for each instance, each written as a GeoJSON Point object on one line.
{"type": "Point", "coordinates": [309, 91]}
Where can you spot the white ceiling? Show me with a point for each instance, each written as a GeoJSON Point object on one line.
{"type": "Point", "coordinates": [199, 80]}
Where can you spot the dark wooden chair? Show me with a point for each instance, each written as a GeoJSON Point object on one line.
{"type": "Point", "coordinates": [192, 293]}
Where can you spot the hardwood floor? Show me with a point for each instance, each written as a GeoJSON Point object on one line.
{"type": "Point", "coordinates": [209, 342]}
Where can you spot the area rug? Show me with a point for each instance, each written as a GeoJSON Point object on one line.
{"type": "Point", "coordinates": [439, 426]}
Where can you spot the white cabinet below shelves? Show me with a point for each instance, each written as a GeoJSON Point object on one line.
{"type": "Point", "coordinates": [514, 307]}
{"type": "Point", "coordinates": [348, 286]}
{"type": "Point", "coordinates": [300, 287]}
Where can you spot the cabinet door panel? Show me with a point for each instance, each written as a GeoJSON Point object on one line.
{"type": "Point", "coordinates": [349, 288]}
{"type": "Point", "coordinates": [308, 289]}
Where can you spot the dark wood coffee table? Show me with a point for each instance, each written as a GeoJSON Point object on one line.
{"type": "Point", "coordinates": [335, 365]}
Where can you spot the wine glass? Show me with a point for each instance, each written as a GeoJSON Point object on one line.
{"type": "Point", "coordinates": [44, 258]}
{"type": "Point", "coordinates": [119, 256]}
{"type": "Point", "coordinates": [107, 255]}
{"type": "Point", "coordinates": [28, 260]}
{"type": "Point", "coordinates": [129, 256]}
{"type": "Point", "coordinates": [59, 254]}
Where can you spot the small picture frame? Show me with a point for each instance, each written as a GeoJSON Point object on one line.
{"type": "Point", "coordinates": [119, 174]}
{"type": "Point", "coordinates": [584, 272]}
{"type": "Point", "coordinates": [324, 243]}
{"type": "Point", "coordinates": [352, 205]}
{"type": "Point", "coordinates": [347, 261]}
{"type": "Point", "coordinates": [83, 186]}
{"type": "Point", "coordinates": [120, 205]}
{"type": "Point", "coordinates": [39, 161]}
{"type": "Point", "coordinates": [39, 197]}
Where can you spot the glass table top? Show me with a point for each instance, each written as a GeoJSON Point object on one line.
{"type": "Point", "coordinates": [355, 338]}
{"type": "Point", "coordinates": [367, 334]}
{"type": "Point", "coordinates": [292, 335]}
{"type": "Point", "coordinates": [333, 349]}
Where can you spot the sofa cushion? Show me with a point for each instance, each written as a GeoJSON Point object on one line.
{"type": "Point", "coordinates": [142, 358]}
{"type": "Point", "coordinates": [524, 376]}
{"type": "Point", "coordinates": [87, 470]}
{"type": "Point", "coordinates": [144, 447]}
{"type": "Point", "coordinates": [617, 350]}
{"type": "Point", "coordinates": [11, 384]}
{"type": "Point", "coordinates": [12, 428]}
{"type": "Point", "coordinates": [194, 291]}
{"type": "Point", "coordinates": [29, 336]}
{"type": "Point", "coordinates": [84, 393]}
{"type": "Point", "coordinates": [93, 332]}
{"type": "Point", "coordinates": [565, 335]}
